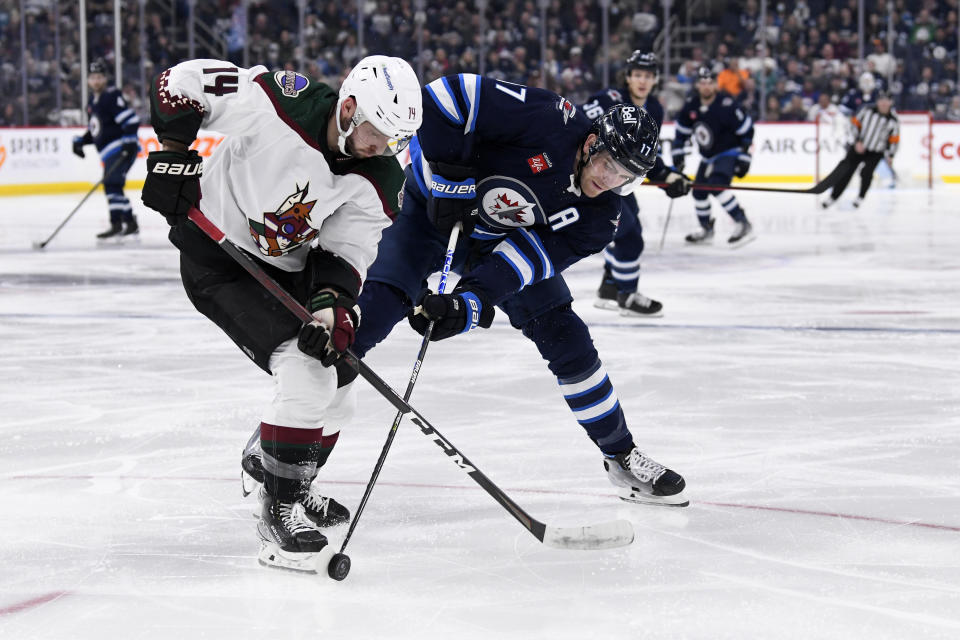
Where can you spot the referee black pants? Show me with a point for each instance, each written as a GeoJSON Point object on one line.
{"type": "Point", "coordinates": [841, 175]}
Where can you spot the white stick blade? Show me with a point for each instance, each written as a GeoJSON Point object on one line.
{"type": "Point", "coordinates": [606, 535]}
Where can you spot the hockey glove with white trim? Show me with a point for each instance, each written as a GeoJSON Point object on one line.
{"type": "Point", "coordinates": [172, 186]}
{"type": "Point", "coordinates": [678, 185]}
{"type": "Point", "coordinates": [335, 327]}
{"type": "Point", "coordinates": [452, 313]}
{"type": "Point", "coordinates": [453, 197]}
{"type": "Point", "coordinates": [742, 166]}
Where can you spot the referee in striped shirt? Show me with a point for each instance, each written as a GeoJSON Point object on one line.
{"type": "Point", "coordinates": [878, 134]}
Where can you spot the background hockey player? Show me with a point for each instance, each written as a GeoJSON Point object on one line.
{"type": "Point", "coordinates": [877, 135]}
{"type": "Point", "coordinates": [723, 132]}
{"type": "Point", "coordinates": [542, 181]}
{"type": "Point", "coordinates": [621, 269]}
{"type": "Point", "coordinates": [300, 183]}
{"type": "Point", "coordinates": [112, 128]}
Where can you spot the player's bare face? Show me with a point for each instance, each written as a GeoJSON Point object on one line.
{"type": "Point", "coordinates": [640, 83]}
{"type": "Point", "coordinates": [707, 89]}
{"type": "Point", "coordinates": [366, 141]}
{"type": "Point", "coordinates": [97, 82]}
{"type": "Point", "coordinates": [601, 174]}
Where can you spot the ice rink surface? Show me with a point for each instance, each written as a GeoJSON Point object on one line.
{"type": "Point", "coordinates": [807, 386]}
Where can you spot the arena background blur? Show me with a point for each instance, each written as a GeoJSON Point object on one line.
{"type": "Point", "coordinates": [779, 57]}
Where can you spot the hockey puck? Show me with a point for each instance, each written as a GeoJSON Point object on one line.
{"type": "Point", "coordinates": [339, 566]}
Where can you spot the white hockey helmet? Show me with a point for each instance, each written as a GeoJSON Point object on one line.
{"type": "Point", "coordinates": [866, 82]}
{"type": "Point", "coordinates": [388, 96]}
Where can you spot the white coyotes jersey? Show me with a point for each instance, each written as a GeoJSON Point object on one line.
{"type": "Point", "coordinates": [269, 185]}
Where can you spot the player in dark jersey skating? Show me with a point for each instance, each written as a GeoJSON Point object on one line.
{"type": "Point", "coordinates": [723, 132]}
{"type": "Point", "coordinates": [112, 129]}
{"type": "Point", "coordinates": [544, 181]}
{"type": "Point", "coordinates": [621, 270]}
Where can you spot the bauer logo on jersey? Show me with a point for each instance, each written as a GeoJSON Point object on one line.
{"type": "Point", "coordinates": [287, 228]}
{"type": "Point", "coordinates": [567, 109]}
{"type": "Point", "coordinates": [507, 203]}
{"type": "Point", "coordinates": [703, 134]}
{"type": "Point", "coordinates": [539, 162]}
{"type": "Point", "coordinates": [291, 82]}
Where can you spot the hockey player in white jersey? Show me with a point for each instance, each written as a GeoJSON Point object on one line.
{"type": "Point", "coordinates": [305, 182]}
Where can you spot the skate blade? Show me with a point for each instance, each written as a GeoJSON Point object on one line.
{"type": "Point", "coordinates": [633, 497]}
{"type": "Point", "coordinates": [743, 241]}
{"type": "Point", "coordinates": [626, 313]}
{"type": "Point", "coordinates": [601, 303]}
{"type": "Point", "coordinates": [272, 556]}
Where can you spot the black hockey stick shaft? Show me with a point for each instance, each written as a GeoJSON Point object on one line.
{"type": "Point", "coordinates": [820, 187]}
{"type": "Point", "coordinates": [123, 156]}
{"type": "Point", "coordinates": [537, 528]}
{"type": "Point", "coordinates": [447, 262]}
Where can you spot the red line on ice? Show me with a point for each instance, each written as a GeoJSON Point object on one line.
{"type": "Point", "coordinates": [731, 505]}
{"type": "Point", "coordinates": [33, 602]}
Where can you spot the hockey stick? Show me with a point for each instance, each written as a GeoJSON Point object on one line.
{"type": "Point", "coordinates": [41, 245]}
{"type": "Point", "coordinates": [666, 224]}
{"type": "Point", "coordinates": [820, 187]}
{"type": "Point", "coordinates": [605, 535]}
{"type": "Point", "coordinates": [447, 261]}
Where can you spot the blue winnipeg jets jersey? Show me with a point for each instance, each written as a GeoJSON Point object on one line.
{"type": "Point", "coordinates": [722, 126]}
{"type": "Point", "coordinates": [522, 143]}
{"type": "Point", "coordinates": [112, 122]}
{"type": "Point", "coordinates": [603, 100]}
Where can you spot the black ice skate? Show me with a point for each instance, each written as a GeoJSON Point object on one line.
{"type": "Point", "coordinates": [320, 510]}
{"type": "Point", "coordinates": [607, 293]}
{"type": "Point", "coordinates": [703, 235]}
{"type": "Point", "coordinates": [131, 227]}
{"type": "Point", "coordinates": [287, 539]}
{"type": "Point", "coordinates": [114, 231]}
{"type": "Point", "coordinates": [742, 234]}
{"type": "Point", "coordinates": [645, 481]}
{"type": "Point", "coordinates": [638, 305]}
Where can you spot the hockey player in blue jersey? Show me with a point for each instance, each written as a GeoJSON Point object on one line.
{"type": "Point", "coordinates": [542, 180]}
{"type": "Point", "coordinates": [112, 129]}
{"type": "Point", "coordinates": [621, 269]}
{"type": "Point", "coordinates": [723, 132]}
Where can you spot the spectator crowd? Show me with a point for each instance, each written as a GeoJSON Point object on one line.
{"type": "Point", "coordinates": [803, 57]}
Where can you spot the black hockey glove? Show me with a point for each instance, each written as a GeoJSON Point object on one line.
{"type": "Point", "coordinates": [78, 146]}
{"type": "Point", "coordinates": [677, 184]}
{"type": "Point", "coordinates": [333, 331]}
{"type": "Point", "coordinates": [742, 165]}
{"type": "Point", "coordinates": [172, 186]}
{"type": "Point", "coordinates": [453, 197]}
{"type": "Point", "coordinates": [453, 313]}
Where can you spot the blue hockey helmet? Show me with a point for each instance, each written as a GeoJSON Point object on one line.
{"type": "Point", "coordinates": [645, 60]}
{"type": "Point", "coordinates": [630, 135]}
{"type": "Point", "coordinates": [97, 66]}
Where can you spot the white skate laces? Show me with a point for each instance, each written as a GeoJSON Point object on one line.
{"type": "Point", "coordinates": [316, 503]}
{"type": "Point", "coordinates": [292, 517]}
{"type": "Point", "coordinates": [644, 468]}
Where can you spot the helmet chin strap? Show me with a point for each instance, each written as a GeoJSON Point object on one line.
{"type": "Point", "coordinates": [341, 134]}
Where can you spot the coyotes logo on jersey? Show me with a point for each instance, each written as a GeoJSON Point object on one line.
{"type": "Point", "coordinates": [287, 228]}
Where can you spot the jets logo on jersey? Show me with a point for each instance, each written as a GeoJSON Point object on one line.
{"type": "Point", "coordinates": [539, 162]}
{"type": "Point", "coordinates": [507, 203]}
{"type": "Point", "coordinates": [287, 228]}
{"type": "Point", "coordinates": [567, 109]}
{"type": "Point", "coordinates": [291, 82]}
{"type": "Point", "coordinates": [703, 134]}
